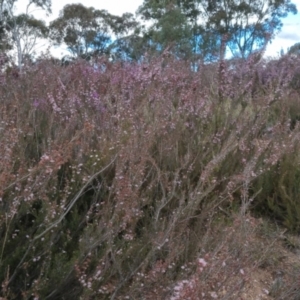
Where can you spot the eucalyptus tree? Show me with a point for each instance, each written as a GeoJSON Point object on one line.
{"type": "Point", "coordinates": [127, 43]}
{"type": "Point", "coordinates": [121, 25]}
{"type": "Point", "coordinates": [132, 47]}
{"type": "Point", "coordinates": [145, 42]}
{"type": "Point", "coordinates": [169, 26]}
{"type": "Point", "coordinates": [26, 31]}
{"type": "Point", "coordinates": [248, 25]}
{"type": "Point", "coordinates": [22, 32]}
{"type": "Point", "coordinates": [87, 31]}
{"type": "Point", "coordinates": [295, 49]}
{"type": "Point", "coordinates": [244, 25]}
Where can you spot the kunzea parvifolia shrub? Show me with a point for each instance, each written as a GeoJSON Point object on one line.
{"type": "Point", "coordinates": [111, 174]}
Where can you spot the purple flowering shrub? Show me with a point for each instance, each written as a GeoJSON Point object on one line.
{"type": "Point", "coordinates": [117, 179]}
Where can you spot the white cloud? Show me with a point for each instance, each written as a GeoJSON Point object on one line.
{"type": "Point", "coordinates": [115, 7]}
{"type": "Point", "coordinates": [289, 35]}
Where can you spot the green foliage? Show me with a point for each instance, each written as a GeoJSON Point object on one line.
{"type": "Point", "coordinates": [280, 189]}
{"type": "Point", "coordinates": [295, 49]}
{"type": "Point", "coordinates": [175, 25]}
{"type": "Point", "coordinates": [30, 25]}
{"type": "Point", "coordinates": [21, 32]}
{"type": "Point", "coordinates": [245, 26]}
{"type": "Point", "coordinates": [87, 31]}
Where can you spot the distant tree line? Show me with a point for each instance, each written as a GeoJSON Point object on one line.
{"type": "Point", "coordinates": [195, 30]}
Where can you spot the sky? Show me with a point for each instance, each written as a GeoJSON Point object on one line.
{"type": "Point", "coordinates": [289, 35]}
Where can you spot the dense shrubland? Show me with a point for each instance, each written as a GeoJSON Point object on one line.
{"type": "Point", "coordinates": [142, 181]}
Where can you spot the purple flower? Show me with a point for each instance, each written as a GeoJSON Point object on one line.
{"type": "Point", "coordinates": [36, 103]}
{"type": "Point", "coordinates": [39, 103]}
{"type": "Point", "coordinates": [95, 95]}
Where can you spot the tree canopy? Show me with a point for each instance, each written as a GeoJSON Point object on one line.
{"type": "Point", "coordinates": [295, 49]}
{"type": "Point", "coordinates": [87, 31]}
{"type": "Point", "coordinates": [194, 30]}
{"type": "Point", "coordinates": [246, 25]}
{"type": "Point", "coordinates": [21, 32]}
